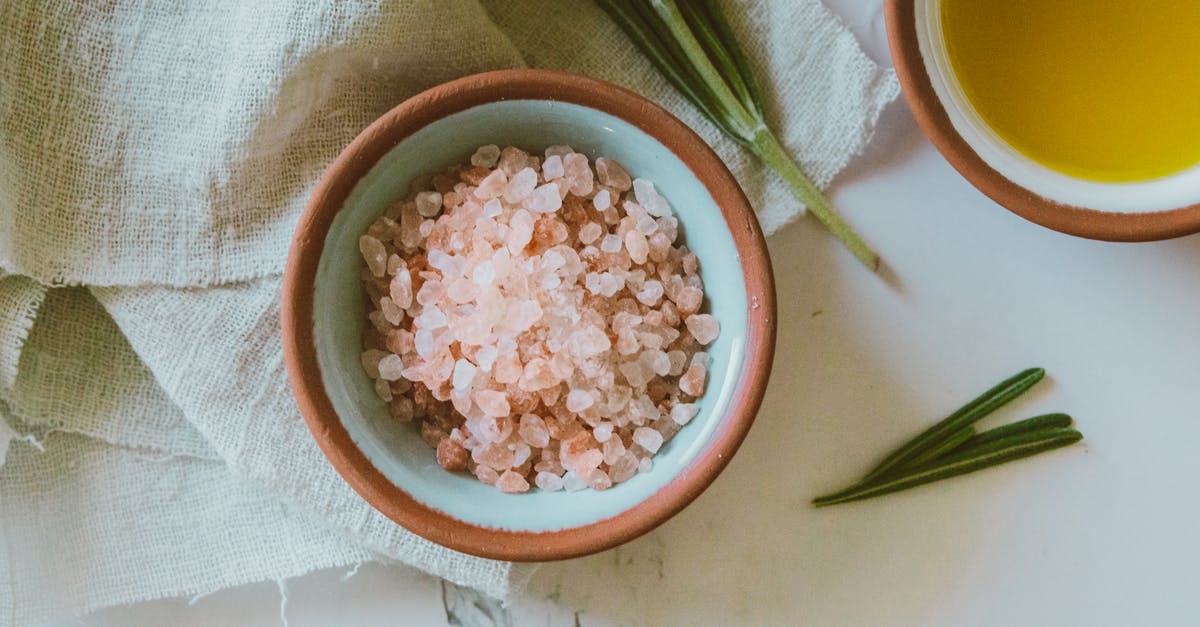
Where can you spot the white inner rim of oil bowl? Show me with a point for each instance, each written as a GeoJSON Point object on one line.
{"type": "Point", "coordinates": [1161, 194]}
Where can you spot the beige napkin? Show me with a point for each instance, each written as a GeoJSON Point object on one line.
{"type": "Point", "coordinates": [155, 157]}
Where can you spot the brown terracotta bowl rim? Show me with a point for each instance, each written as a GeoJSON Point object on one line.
{"type": "Point", "coordinates": [931, 116]}
{"type": "Point", "coordinates": [298, 335]}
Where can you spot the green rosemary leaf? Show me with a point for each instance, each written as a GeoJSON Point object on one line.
{"type": "Point", "coordinates": [720, 50]}
{"type": "Point", "coordinates": [951, 443]}
{"type": "Point", "coordinates": [692, 45]}
{"type": "Point", "coordinates": [966, 415]}
{"type": "Point", "coordinates": [1037, 423]}
{"type": "Point", "coordinates": [977, 458]}
{"type": "Point", "coordinates": [725, 34]}
{"type": "Point", "coordinates": [741, 120]}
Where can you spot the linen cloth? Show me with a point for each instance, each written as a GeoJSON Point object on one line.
{"type": "Point", "coordinates": [154, 159]}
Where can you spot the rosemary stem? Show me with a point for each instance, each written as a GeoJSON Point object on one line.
{"type": "Point", "coordinates": [768, 148]}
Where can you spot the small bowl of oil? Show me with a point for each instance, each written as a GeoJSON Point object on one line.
{"type": "Point", "coordinates": [1081, 116]}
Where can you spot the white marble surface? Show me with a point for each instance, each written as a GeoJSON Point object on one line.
{"type": "Point", "coordinates": [1098, 534]}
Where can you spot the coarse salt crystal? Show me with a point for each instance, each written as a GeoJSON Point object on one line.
{"type": "Point", "coordinates": [548, 481]}
{"type": "Point", "coordinates": [429, 204]}
{"type": "Point", "coordinates": [392, 312]}
{"type": "Point", "coordinates": [678, 362]}
{"type": "Point", "coordinates": [492, 185]}
{"type": "Point", "coordinates": [562, 150]}
{"type": "Point", "coordinates": [683, 413]}
{"type": "Point", "coordinates": [590, 232]}
{"type": "Point", "coordinates": [374, 254]}
{"type": "Point", "coordinates": [612, 174]}
{"type": "Point", "coordinates": [520, 186]}
{"type": "Point", "coordinates": [390, 367]}
{"type": "Point", "coordinates": [703, 327]}
{"type": "Point", "coordinates": [602, 200]}
{"type": "Point", "coordinates": [650, 199]}
{"type": "Point", "coordinates": [464, 372]}
{"type": "Point", "coordinates": [648, 439]}
{"type": "Point", "coordinates": [544, 199]}
{"type": "Point", "coordinates": [430, 319]}
{"type": "Point", "coordinates": [610, 243]}
{"type": "Point", "coordinates": [383, 390]}
{"type": "Point", "coordinates": [484, 274]}
{"type": "Point", "coordinates": [647, 225]}
{"type": "Point", "coordinates": [692, 381]}
{"type": "Point", "coordinates": [511, 483]}
{"type": "Point", "coordinates": [400, 289]}
{"type": "Point", "coordinates": [492, 403]}
{"type": "Point", "coordinates": [486, 156]}
{"type": "Point", "coordinates": [533, 431]}
{"type": "Point", "coordinates": [552, 167]}
{"type": "Point", "coordinates": [492, 208]}
{"type": "Point", "coordinates": [578, 174]}
{"type": "Point", "coordinates": [578, 400]}
{"type": "Point", "coordinates": [635, 242]}
{"type": "Point", "coordinates": [486, 357]}
{"type": "Point", "coordinates": [603, 432]}
{"type": "Point", "coordinates": [573, 483]}
{"type": "Point", "coordinates": [370, 361]}
{"type": "Point", "coordinates": [651, 293]}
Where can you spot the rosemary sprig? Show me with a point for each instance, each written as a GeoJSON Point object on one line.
{"type": "Point", "coordinates": [952, 447]}
{"type": "Point", "coordinates": [966, 415]}
{"type": "Point", "coordinates": [976, 458]}
{"type": "Point", "coordinates": [693, 46]}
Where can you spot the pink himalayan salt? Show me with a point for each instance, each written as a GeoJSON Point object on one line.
{"type": "Point", "coordinates": [492, 402]}
{"type": "Point", "coordinates": [692, 381]}
{"type": "Point", "coordinates": [492, 185]}
{"type": "Point", "coordinates": [579, 400]}
{"type": "Point", "coordinates": [590, 232]}
{"type": "Point", "coordinates": [613, 449]}
{"type": "Point", "coordinates": [492, 272]}
{"type": "Point", "coordinates": [512, 483]}
{"type": "Point", "coordinates": [533, 431]}
{"type": "Point", "coordinates": [688, 299]}
{"type": "Point", "coordinates": [578, 174]}
{"type": "Point", "coordinates": [612, 174]}
{"type": "Point", "coordinates": [429, 204]}
{"type": "Point", "coordinates": [599, 480]}
{"type": "Point", "coordinates": [703, 327]}
{"type": "Point", "coordinates": [486, 474]}
{"type": "Point", "coordinates": [573, 483]}
{"type": "Point", "coordinates": [635, 243]}
{"type": "Point", "coordinates": [602, 200]}
{"type": "Point", "coordinates": [683, 413]}
{"type": "Point", "coordinates": [624, 468]}
{"type": "Point", "coordinates": [390, 367]}
{"type": "Point", "coordinates": [374, 254]}
{"type": "Point", "coordinates": [520, 186]}
{"type": "Point", "coordinates": [650, 199]}
{"type": "Point", "coordinates": [549, 481]}
{"type": "Point", "coordinates": [486, 156]}
{"type": "Point", "coordinates": [544, 199]}
{"type": "Point", "coordinates": [552, 167]}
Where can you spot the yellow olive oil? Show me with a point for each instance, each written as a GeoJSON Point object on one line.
{"type": "Point", "coordinates": [1105, 90]}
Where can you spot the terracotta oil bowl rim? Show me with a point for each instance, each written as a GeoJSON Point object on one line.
{"type": "Point", "coordinates": [931, 117]}
{"type": "Point", "coordinates": [297, 314]}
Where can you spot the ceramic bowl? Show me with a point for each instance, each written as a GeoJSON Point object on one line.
{"type": "Point", "coordinates": [323, 311]}
{"type": "Point", "coordinates": [1149, 210]}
